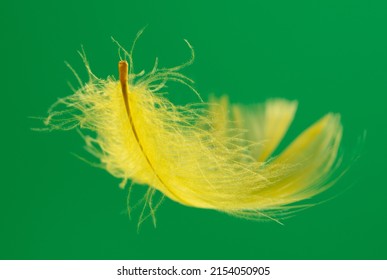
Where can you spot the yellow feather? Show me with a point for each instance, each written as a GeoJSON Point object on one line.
{"type": "Point", "coordinates": [214, 155]}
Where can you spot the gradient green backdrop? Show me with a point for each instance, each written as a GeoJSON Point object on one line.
{"type": "Point", "coordinates": [330, 55]}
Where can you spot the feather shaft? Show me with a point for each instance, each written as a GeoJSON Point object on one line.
{"type": "Point", "coordinates": [123, 76]}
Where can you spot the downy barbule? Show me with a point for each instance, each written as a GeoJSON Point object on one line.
{"type": "Point", "coordinates": [213, 155]}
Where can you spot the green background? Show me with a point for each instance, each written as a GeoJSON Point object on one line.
{"type": "Point", "coordinates": [330, 55]}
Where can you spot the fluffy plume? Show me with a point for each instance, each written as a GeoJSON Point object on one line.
{"type": "Point", "coordinates": [211, 155]}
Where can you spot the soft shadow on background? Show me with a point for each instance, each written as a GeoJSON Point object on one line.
{"type": "Point", "coordinates": [329, 55]}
